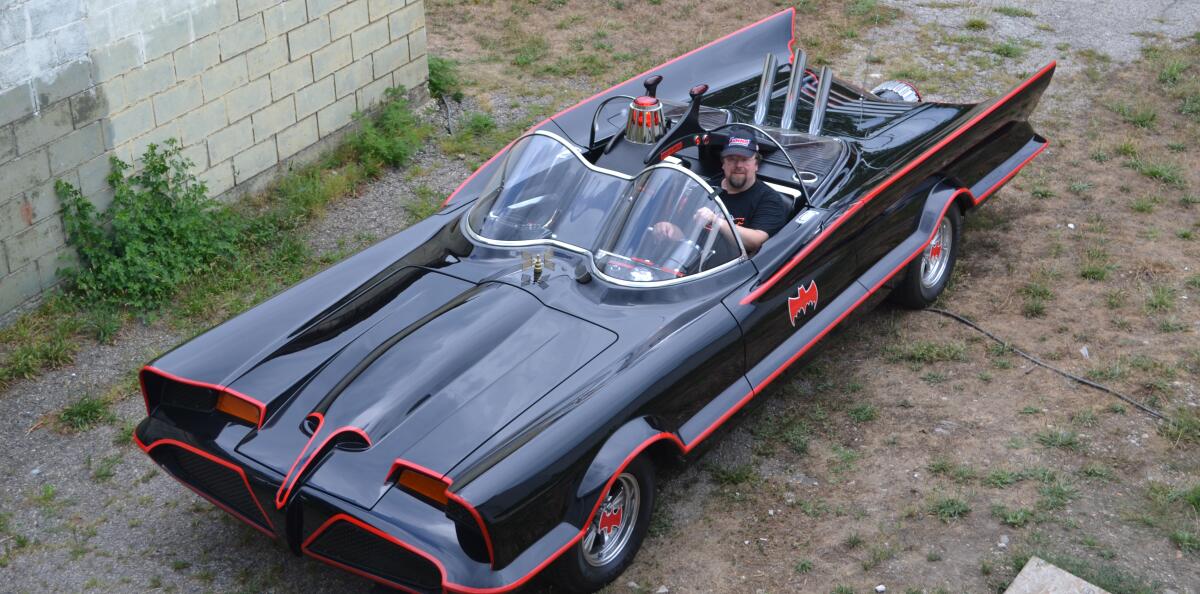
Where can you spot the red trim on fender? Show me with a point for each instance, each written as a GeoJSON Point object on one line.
{"type": "Point", "coordinates": [996, 186]}
{"type": "Point", "coordinates": [791, 41]}
{"type": "Point", "coordinates": [230, 465]}
{"type": "Point", "coordinates": [291, 478]}
{"type": "Point", "coordinates": [812, 245]}
{"type": "Point", "coordinates": [341, 517]}
{"type": "Point", "coordinates": [262, 408]}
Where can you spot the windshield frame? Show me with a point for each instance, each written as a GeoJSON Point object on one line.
{"type": "Point", "coordinates": [590, 256]}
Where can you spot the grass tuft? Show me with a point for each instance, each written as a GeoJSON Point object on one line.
{"type": "Point", "coordinates": [947, 509]}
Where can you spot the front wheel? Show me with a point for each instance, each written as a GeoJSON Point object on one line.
{"type": "Point", "coordinates": [614, 534]}
{"type": "Point", "coordinates": [928, 274]}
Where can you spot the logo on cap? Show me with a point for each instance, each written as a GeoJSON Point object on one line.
{"type": "Point", "coordinates": [739, 142]}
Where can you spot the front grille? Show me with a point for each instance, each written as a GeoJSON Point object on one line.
{"type": "Point", "coordinates": [350, 545]}
{"type": "Point", "coordinates": [220, 482]}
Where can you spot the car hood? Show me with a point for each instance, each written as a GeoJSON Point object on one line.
{"type": "Point", "coordinates": [424, 372]}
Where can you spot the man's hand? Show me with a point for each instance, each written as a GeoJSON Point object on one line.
{"type": "Point", "coordinates": [668, 230]}
{"type": "Point", "coordinates": [707, 216]}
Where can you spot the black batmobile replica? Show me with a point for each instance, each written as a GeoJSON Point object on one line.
{"type": "Point", "coordinates": [482, 397]}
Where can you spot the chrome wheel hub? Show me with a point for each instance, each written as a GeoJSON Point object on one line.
{"type": "Point", "coordinates": [936, 257]}
{"type": "Point", "coordinates": [613, 524]}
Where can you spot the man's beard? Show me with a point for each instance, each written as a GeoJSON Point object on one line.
{"type": "Point", "coordinates": [737, 181]}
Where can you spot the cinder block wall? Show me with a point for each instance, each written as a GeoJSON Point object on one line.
{"type": "Point", "coordinates": [244, 84]}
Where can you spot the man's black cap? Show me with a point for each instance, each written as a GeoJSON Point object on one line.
{"type": "Point", "coordinates": [742, 142]}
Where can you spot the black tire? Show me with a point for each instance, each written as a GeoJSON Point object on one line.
{"type": "Point", "coordinates": [581, 569]}
{"type": "Point", "coordinates": [922, 284]}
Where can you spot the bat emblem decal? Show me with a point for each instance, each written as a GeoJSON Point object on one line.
{"type": "Point", "coordinates": [803, 299]}
{"type": "Point", "coordinates": [610, 521]}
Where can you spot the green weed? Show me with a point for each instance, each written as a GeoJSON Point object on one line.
{"type": "Point", "coordinates": [863, 413]}
{"type": "Point", "coordinates": [1066, 440]}
{"type": "Point", "coordinates": [444, 79]}
{"type": "Point", "coordinates": [85, 413]}
{"type": "Point", "coordinates": [922, 351]}
{"type": "Point", "coordinates": [1014, 11]}
{"type": "Point", "coordinates": [1017, 518]}
{"type": "Point", "coordinates": [948, 509]}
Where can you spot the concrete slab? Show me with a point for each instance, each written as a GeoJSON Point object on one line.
{"type": "Point", "coordinates": [1039, 577]}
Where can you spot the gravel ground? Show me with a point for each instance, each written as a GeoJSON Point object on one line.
{"type": "Point", "coordinates": [138, 529]}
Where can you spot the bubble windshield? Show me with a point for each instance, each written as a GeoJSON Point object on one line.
{"type": "Point", "coordinates": [664, 224]}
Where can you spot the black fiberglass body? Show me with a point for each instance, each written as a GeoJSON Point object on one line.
{"type": "Point", "coordinates": [453, 408]}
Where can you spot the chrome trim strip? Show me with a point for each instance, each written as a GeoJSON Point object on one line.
{"type": "Point", "coordinates": [799, 63]}
{"type": "Point", "coordinates": [766, 84]}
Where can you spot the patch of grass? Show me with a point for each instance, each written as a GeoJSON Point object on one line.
{"type": "Point", "coordinates": [853, 541]}
{"type": "Point", "coordinates": [976, 24]}
{"type": "Point", "coordinates": [1105, 575]}
{"type": "Point", "coordinates": [1183, 427]}
{"type": "Point", "coordinates": [1140, 116]}
{"type": "Point", "coordinates": [85, 413]}
{"type": "Point", "coordinates": [1144, 204]}
{"type": "Point", "coordinates": [1187, 542]}
{"type": "Point", "coordinates": [1084, 418]}
{"type": "Point", "coordinates": [444, 79]}
{"type": "Point", "coordinates": [1172, 71]}
{"type": "Point", "coordinates": [1055, 495]}
{"type": "Point", "coordinates": [842, 589]}
{"type": "Point", "coordinates": [843, 459]}
{"type": "Point", "coordinates": [1008, 49]}
{"type": "Point", "coordinates": [1041, 192]}
{"type": "Point", "coordinates": [737, 475]}
{"type": "Point", "coordinates": [1097, 471]}
{"type": "Point", "coordinates": [959, 473]}
{"type": "Point", "coordinates": [1001, 479]}
{"type": "Point", "coordinates": [1062, 439]}
{"type": "Point", "coordinates": [1161, 299]}
{"type": "Point", "coordinates": [925, 352]}
{"type": "Point", "coordinates": [947, 509]}
{"type": "Point", "coordinates": [933, 556]}
{"type": "Point", "coordinates": [863, 413]}
{"type": "Point", "coordinates": [1014, 11]}
{"type": "Point", "coordinates": [1034, 295]}
{"type": "Point", "coordinates": [804, 566]}
{"type": "Point", "coordinates": [1170, 174]}
{"type": "Point", "coordinates": [104, 469]}
{"type": "Point", "coordinates": [878, 554]}
{"type": "Point", "coordinates": [1017, 518]}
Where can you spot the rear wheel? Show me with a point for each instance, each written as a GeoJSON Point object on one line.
{"type": "Point", "coordinates": [928, 274]}
{"type": "Point", "coordinates": [615, 533]}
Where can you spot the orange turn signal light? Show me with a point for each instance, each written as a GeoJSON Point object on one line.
{"type": "Point", "coordinates": [423, 485]}
{"type": "Point", "coordinates": [238, 408]}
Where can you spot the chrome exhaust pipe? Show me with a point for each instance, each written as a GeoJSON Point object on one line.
{"type": "Point", "coordinates": [765, 85]}
{"type": "Point", "coordinates": [819, 102]}
{"type": "Point", "coordinates": [799, 62]}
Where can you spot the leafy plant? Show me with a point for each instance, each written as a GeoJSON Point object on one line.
{"type": "Point", "coordinates": [392, 137]}
{"type": "Point", "coordinates": [444, 81]}
{"type": "Point", "coordinates": [160, 229]}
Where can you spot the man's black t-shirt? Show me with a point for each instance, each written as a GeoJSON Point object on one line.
{"type": "Point", "coordinates": [757, 207]}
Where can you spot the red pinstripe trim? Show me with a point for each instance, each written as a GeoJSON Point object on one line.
{"type": "Point", "coordinates": [996, 186]}
{"type": "Point", "coordinates": [377, 532]}
{"type": "Point", "coordinates": [812, 245]}
{"type": "Point", "coordinates": [291, 478]}
{"type": "Point", "coordinates": [791, 41]}
{"type": "Point", "coordinates": [226, 464]}
{"type": "Point", "coordinates": [262, 408]}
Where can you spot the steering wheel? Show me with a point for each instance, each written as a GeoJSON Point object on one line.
{"type": "Point", "coordinates": [687, 129]}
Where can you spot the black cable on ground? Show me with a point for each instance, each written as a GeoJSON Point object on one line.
{"type": "Point", "coordinates": [1035, 360]}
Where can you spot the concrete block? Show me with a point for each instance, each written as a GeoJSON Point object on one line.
{"type": "Point", "coordinates": [197, 154]}
{"type": "Point", "coordinates": [12, 26]}
{"type": "Point", "coordinates": [133, 150]}
{"type": "Point", "coordinates": [206, 20]}
{"type": "Point", "coordinates": [314, 97]}
{"type": "Point", "coordinates": [352, 78]}
{"type": "Point", "coordinates": [38, 130]}
{"type": "Point", "coordinates": [62, 83]}
{"type": "Point", "coordinates": [47, 15]}
{"type": "Point", "coordinates": [92, 104]}
{"type": "Point", "coordinates": [407, 20]}
{"type": "Point", "coordinates": [24, 172]}
{"type": "Point", "coordinates": [317, 8]}
{"type": "Point", "coordinates": [129, 124]}
{"type": "Point", "coordinates": [413, 74]}
{"type": "Point", "coordinates": [249, 8]}
{"type": "Point", "coordinates": [93, 175]}
{"type": "Point", "coordinates": [348, 19]}
{"type": "Point", "coordinates": [196, 57]}
{"type": "Point", "coordinates": [42, 202]}
{"type": "Point", "coordinates": [8, 143]}
{"type": "Point", "coordinates": [218, 179]}
{"type": "Point", "coordinates": [27, 245]}
{"type": "Point", "coordinates": [1040, 577]}
{"type": "Point", "coordinates": [308, 39]}
{"type": "Point", "coordinates": [284, 17]}
{"type": "Point", "coordinates": [199, 124]}
{"type": "Point", "coordinates": [330, 58]}
{"type": "Point", "coordinates": [177, 101]}
{"type": "Point", "coordinates": [18, 287]}
{"type": "Point", "coordinates": [391, 57]}
{"type": "Point", "coordinates": [16, 103]}
{"type": "Point", "coordinates": [168, 37]}
{"type": "Point", "coordinates": [149, 80]}
{"type": "Point", "coordinates": [255, 160]}
{"type": "Point", "coordinates": [69, 43]}
{"type": "Point", "coordinates": [228, 12]}
{"type": "Point", "coordinates": [73, 149]}
{"type": "Point", "coordinates": [230, 141]}
{"type": "Point", "coordinates": [49, 264]}
{"type": "Point", "coordinates": [272, 119]}
{"type": "Point", "coordinates": [382, 8]}
{"type": "Point", "coordinates": [226, 77]}
{"type": "Point", "coordinates": [261, 60]}
{"type": "Point", "coordinates": [116, 59]}
{"type": "Point", "coordinates": [297, 138]}
{"type": "Point", "coordinates": [287, 79]}
{"type": "Point", "coordinates": [11, 219]}
{"type": "Point", "coordinates": [372, 94]}
{"type": "Point", "coordinates": [15, 67]}
{"type": "Point", "coordinates": [243, 36]}
{"type": "Point", "coordinates": [333, 118]}
{"type": "Point", "coordinates": [248, 99]}
{"type": "Point", "coordinates": [418, 43]}
{"type": "Point", "coordinates": [369, 38]}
